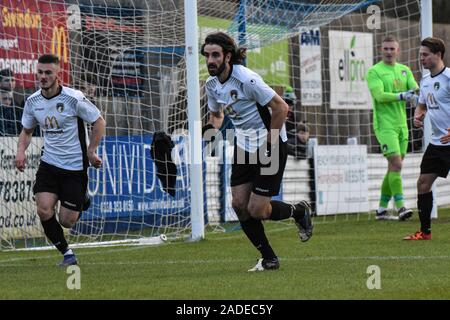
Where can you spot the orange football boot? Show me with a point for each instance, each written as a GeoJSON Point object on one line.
{"type": "Point", "coordinates": [419, 235]}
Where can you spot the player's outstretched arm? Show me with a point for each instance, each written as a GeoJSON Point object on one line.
{"type": "Point", "coordinates": [419, 115]}
{"type": "Point", "coordinates": [24, 141]}
{"type": "Point", "coordinates": [98, 130]}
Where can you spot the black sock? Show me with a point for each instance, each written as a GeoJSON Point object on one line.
{"type": "Point", "coordinates": [280, 210]}
{"type": "Point", "coordinates": [254, 230]}
{"type": "Point", "coordinates": [55, 234]}
{"type": "Point", "coordinates": [425, 205]}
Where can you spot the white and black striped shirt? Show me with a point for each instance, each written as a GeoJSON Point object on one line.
{"type": "Point", "coordinates": [244, 97]}
{"type": "Point", "coordinates": [62, 120]}
{"type": "Point", "coordinates": [435, 93]}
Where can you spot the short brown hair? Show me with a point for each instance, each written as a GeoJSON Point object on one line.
{"type": "Point", "coordinates": [49, 58]}
{"type": "Point", "coordinates": [390, 38]}
{"type": "Point", "coordinates": [302, 126]}
{"type": "Point", "coordinates": [435, 45]}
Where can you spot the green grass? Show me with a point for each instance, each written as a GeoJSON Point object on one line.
{"type": "Point", "coordinates": [332, 265]}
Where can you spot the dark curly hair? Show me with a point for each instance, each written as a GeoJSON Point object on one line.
{"type": "Point", "coordinates": [228, 45]}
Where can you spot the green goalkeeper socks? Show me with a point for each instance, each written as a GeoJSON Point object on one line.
{"type": "Point", "coordinates": [392, 186]}
{"type": "Point", "coordinates": [385, 192]}
{"type": "Point", "coordinates": [395, 182]}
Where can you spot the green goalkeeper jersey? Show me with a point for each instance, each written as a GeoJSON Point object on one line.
{"type": "Point", "coordinates": [385, 83]}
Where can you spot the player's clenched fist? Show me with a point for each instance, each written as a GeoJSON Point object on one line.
{"type": "Point", "coordinates": [94, 160]}
{"type": "Point", "coordinates": [20, 161]}
{"type": "Point", "coordinates": [418, 120]}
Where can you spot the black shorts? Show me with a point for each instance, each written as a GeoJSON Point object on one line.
{"type": "Point", "coordinates": [436, 159]}
{"type": "Point", "coordinates": [265, 176]}
{"type": "Point", "coordinates": [69, 186]}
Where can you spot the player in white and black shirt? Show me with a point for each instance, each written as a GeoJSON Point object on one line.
{"type": "Point", "coordinates": [61, 113]}
{"type": "Point", "coordinates": [258, 115]}
{"type": "Point", "coordinates": [434, 99]}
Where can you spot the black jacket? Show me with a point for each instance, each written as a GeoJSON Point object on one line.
{"type": "Point", "coordinates": [166, 171]}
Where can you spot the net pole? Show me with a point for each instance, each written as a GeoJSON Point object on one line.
{"type": "Point", "coordinates": [242, 20]}
{"type": "Point", "coordinates": [426, 26]}
{"type": "Point", "coordinates": [194, 119]}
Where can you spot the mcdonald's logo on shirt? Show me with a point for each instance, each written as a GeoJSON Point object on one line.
{"type": "Point", "coordinates": [51, 123]}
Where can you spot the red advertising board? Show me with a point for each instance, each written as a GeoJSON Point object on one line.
{"type": "Point", "coordinates": [28, 29]}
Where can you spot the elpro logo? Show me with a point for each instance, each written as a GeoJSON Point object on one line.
{"type": "Point", "coordinates": [351, 68]}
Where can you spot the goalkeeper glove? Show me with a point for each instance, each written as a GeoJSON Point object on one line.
{"type": "Point", "coordinates": [407, 95]}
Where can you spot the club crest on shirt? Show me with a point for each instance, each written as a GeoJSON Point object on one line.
{"type": "Point", "coordinates": [404, 73]}
{"type": "Point", "coordinates": [437, 85]}
{"type": "Point", "coordinates": [228, 109]}
{"type": "Point", "coordinates": [234, 94]}
{"type": "Point", "coordinates": [60, 107]}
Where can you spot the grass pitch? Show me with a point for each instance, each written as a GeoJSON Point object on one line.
{"type": "Point", "coordinates": [332, 265]}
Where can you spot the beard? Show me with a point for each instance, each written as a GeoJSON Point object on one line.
{"type": "Point", "coordinates": [48, 85]}
{"type": "Point", "coordinates": [217, 72]}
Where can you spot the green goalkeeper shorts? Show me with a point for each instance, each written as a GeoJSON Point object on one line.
{"type": "Point", "coordinates": [393, 141]}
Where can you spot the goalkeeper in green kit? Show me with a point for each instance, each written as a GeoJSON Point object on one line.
{"type": "Point", "coordinates": [391, 84]}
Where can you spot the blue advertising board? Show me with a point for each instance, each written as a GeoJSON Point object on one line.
{"type": "Point", "coordinates": [126, 193]}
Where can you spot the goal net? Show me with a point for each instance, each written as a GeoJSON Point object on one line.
{"type": "Point", "coordinates": [128, 58]}
{"type": "Point", "coordinates": [318, 52]}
